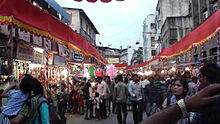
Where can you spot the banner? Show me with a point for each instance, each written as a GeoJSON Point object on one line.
{"type": "Point", "coordinates": [24, 52]}
{"type": "Point", "coordinates": [77, 57]}
{"type": "Point", "coordinates": [37, 41]}
{"type": "Point", "coordinates": [47, 44]}
{"type": "Point", "coordinates": [62, 50]}
{"type": "Point", "coordinates": [24, 35]}
{"type": "Point", "coordinates": [38, 58]}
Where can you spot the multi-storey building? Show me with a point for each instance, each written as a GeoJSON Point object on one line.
{"type": "Point", "coordinates": [200, 10]}
{"type": "Point", "coordinates": [81, 23]}
{"type": "Point", "coordinates": [174, 12]}
{"type": "Point", "coordinates": [149, 33]}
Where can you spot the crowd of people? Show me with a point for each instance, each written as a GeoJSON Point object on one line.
{"type": "Point", "coordinates": [31, 103]}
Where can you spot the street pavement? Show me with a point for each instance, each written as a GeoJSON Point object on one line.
{"type": "Point", "coordinates": [112, 119]}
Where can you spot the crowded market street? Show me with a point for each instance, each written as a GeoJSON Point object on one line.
{"type": "Point", "coordinates": [109, 61]}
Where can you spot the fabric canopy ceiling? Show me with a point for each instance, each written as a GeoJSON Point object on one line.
{"type": "Point", "coordinates": [121, 65]}
{"type": "Point", "coordinates": [199, 36]}
{"type": "Point", "coordinates": [24, 15]}
{"type": "Point", "coordinates": [92, 1]}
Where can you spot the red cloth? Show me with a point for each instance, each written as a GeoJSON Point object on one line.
{"type": "Point", "coordinates": [32, 16]}
{"type": "Point", "coordinates": [197, 37]}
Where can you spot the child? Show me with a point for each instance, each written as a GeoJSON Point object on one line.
{"type": "Point", "coordinates": [15, 101]}
{"type": "Point", "coordinates": [97, 106]}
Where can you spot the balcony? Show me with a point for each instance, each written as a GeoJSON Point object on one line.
{"type": "Point", "coordinates": [87, 37]}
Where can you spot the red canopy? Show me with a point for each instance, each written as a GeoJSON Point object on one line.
{"type": "Point", "coordinates": [37, 21]}
{"type": "Point", "coordinates": [199, 36]}
{"type": "Point", "coordinates": [120, 65]}
{"type": "Point", "coordinates": [141, 64]}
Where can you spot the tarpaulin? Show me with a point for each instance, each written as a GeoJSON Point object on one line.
{"type": "Point", "coordinates": [141, 64]}
{"type": "Point", "coordinates": [120, 65]}
{"type": "Point", "coordinates": [198, 36]}
{"type": "Point", "coordinates": [24, 15]}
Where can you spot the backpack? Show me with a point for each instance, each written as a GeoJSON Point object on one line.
{"type": "Point", "coordinates": [52, 114]}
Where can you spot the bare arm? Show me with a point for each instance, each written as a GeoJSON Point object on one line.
{"type": "Point", "coordinates": [18, 119]}
{"type": "Point", "coordinates": [173, 114]}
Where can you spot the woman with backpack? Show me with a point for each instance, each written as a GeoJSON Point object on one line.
{"type": "Point", "coordinates": [42, 116]}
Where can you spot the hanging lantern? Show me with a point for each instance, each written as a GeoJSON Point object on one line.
{"type": "Point", "coordinates": [106, 1]}
{"type": "Point", "coordinates": [92, 1]}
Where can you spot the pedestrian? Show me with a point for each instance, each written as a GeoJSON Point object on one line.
{"type": "Point", "coordinates": [136, 92]}
{"type": "Point", "coordinates": [120, 97]}
{"type": "Point", "coordinates": [43, 114]}
{"type": "Point", "coordinates": [179, 91]}
{"type": "Point", "coordinates": [62, 99]}
{"type": "Point", "coordinates": [102, 90]}
{"type": "Point", "coordinates": [88, 100]}
{"type": "Point", "coordinates": [97, 103]}
{"type": "Point", "coordinates": [193, 86]}
{"type": "Point", "coordinates": [111, 86]}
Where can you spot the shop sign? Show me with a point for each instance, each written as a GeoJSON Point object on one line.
{"type": "Point", "coordinates": [77, 57]}
{"type": "Point", "coordinates": [24, 52]}
{"type": "Point", "coordinates": [47, 44]}
{"type": "Point", "coordinates": [63, 50]}
{"type": "Point", "coordinates": [113, 60]}
{"type": "Point", "coordinates": [38, 58]}
{"type": "Point", "coordinates": [59, 60]}
{"type": "Point", "coordinates": [50, 58]}
{"type": "Point", "coordinates": [37, 41]}
{"type": "Point", "coordinates": [4, 29]}
{"type": "Point", "coordinates": [24, 35]}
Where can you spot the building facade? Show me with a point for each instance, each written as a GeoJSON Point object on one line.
{"type": "Point", "coordinates": [165, 9]}
{"type": "Point", "coordinates": [81, 24]}
{"type": "Point", "coordinates": [149, 33]}
{"type": "Point", "coordinates": [138, 48]}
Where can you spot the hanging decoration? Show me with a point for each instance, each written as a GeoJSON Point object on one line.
{"type": "Point", "coordinates": [92, 71]}
{"type": "Point", "coordinates": [111, 71]}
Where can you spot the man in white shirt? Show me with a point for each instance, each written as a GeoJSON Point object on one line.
{"type": "Point", "coordinates": [102, 89]}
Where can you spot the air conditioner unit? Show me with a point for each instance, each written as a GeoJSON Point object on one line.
{"type": "Point", "coordinates": [215, 6]}
{"type": "Point", "coordinates": [205, 15]}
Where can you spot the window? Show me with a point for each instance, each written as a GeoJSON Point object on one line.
{"type": "Point", "coordinates": [153, 52]}
{"type": "Point", "coordinates": [152, 26]}
{"type": "Point", "coordinates": [173, 34]}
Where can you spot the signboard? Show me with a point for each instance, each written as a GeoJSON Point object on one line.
{"type": "Point", "coordinates": [38, 58]}
{"type": "Point", "coordinates": [24, 35]}
{"type": "Point", "coordinates": [59, 60]}
{"type": "Point", "coordinates": [63, 51]}
{"type": "Point", "coordinates": [77, 57]}
{"type": "Point", "coordinates": [37, 40]}
{"type": "Point", "coordinates": [113, 60]}
{"type": "Point", "coordinates": [24, 52]}
{"type": "Point", "coordinates": [4, 29]}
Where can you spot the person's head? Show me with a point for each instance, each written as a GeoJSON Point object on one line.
{"type": "Point", "coordinates": [99, 79]}
{"type": "Point", "coordinates": [120, 78]}
{"type": "Point", "coordinates": [210, 73]}
{"type": "Point", "coordinates": [27, 84]}
{"type": "Point", "coordinates": [63, 86]}
{"type": "Point", "coordinates": [180, 88]}
{"type": "Point", "coordinates": [187, 74]}
{"type": "Point", "coordinates": [194, 79]}
{"type": "Point", "coordinates": [107, 79]}
{"type": "Point", "coordinates": [135, 78]}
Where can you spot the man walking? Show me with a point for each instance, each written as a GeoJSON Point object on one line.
{"type": "Point", "coordinates": [136, 92]}
{"type": "Point", "coordinates": [120, 96]}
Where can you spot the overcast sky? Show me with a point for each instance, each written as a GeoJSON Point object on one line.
{"type": "Point", "coordinates": [119, 23]}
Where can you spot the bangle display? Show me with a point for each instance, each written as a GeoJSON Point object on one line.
{"type": "Point", "coordinates": [182, 107]}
